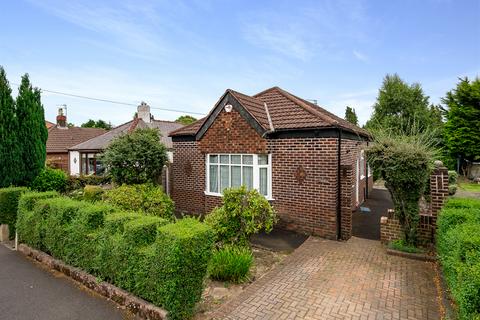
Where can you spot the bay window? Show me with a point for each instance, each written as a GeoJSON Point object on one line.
{"type": "Point", "coordinates": [254, 171]}
{"type": "Point", "coordinates": [90, 164]}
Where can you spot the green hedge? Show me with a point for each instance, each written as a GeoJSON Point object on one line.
{"type": "Point", "coordinates": [160, 261]}
{"type": "Point", "coordinates": [458, 246]}
{"type": "Point", "coordinates": [9, 206]}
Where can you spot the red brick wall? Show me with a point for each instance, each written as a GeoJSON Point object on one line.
{"type": "Point", "coordinates": [59, 161]}
{"type": "Point", "coordinates": [230, 133]}
{"type": "Point", "coordinates": [188, 175]}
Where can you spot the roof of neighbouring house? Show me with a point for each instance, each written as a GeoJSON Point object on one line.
{"type": "Point", "coordinates": [102, 141]}
{"type": "Point", "coordinates": [60, 139]}
{"type": "Point", "coordinates": [276, 110]}
{"type": "Point", "coordinates": [49, 124]}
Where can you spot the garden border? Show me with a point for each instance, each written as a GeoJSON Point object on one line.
{"type": "Point", "coordinates": [132, 303]}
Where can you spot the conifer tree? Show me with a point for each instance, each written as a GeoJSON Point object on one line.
{"type": "Point", "coordinates": [351, 115]}
{"type": "Point", "coordinates": [32, 132]}
{"type": "Point", "coordinates": [9, 151]}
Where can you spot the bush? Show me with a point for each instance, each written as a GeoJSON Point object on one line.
{"type": "Point", "coordinates": [50, 180]}
{"type": "Point", "coordinates": [400, 245]}
{"type": "Point", "coordinates": [452, 177]}
{"type": "Point", "coordinates": [452, 189]}
{"type": "Point", "coordinates": [30, 221]}
{"type": "Point", "coordinates": [9, 206]}
{"type": "Point", "coordinates": [162, 262]}
{"type": "Point", "coordinates": [147, 198]}
{"type": "Point", "coordinates": [92, 193]}
{"type": "Point", "coordinates": [80, 182]}
{"type": "Point", "coordinates": [458, 246]}
{"type": "Point", "coordinates": [135, 158]}
{"type": "Point", "coordinates": [243, 213]}
{"type": "Point", "coordinates": [230, 263]}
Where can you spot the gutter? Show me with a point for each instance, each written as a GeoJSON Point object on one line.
{"type": "Point", "coordinates": [339, 185]}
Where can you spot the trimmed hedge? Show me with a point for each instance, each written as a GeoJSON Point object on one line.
{"type": "Point", "coordinates": [50, 180]}
{"type": "Point", "coordinates": [458, 246]}
{"type": "Point", "coordinates": [9, 207]}
{"type": "Point", "coordinates": [160, 261]}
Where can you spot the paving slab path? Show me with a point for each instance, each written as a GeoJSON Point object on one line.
{"type": "Point", "coordinates": [28, 292]}
{"type": "Point", "coordinates": [326, 279]}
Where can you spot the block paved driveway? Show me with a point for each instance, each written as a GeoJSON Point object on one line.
{"type": "Point", "coordinates": [326, 279]}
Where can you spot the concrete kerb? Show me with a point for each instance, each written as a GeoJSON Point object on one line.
{"type": "Point", "coordinates": [136, 305]}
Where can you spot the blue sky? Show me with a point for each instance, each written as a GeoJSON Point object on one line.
{"type": "Point", "coordinates": [184, 54]}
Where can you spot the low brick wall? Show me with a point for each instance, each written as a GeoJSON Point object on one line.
{"type": "Point", "coordinates": [139, 307]}
{"type": "Point", "coordinates": [390, 229]}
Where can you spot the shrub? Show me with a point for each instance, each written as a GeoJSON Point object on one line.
{"type": "Point", "coordinates": [80, 182]}
{"type": "Point", "coordinates": [404, 162]}
{"type": "Point", "coordinates": [230, 263]}
{"type": "Point", "coordinates": [452, 177]}
{"type": "Point", "coordinates": [9, 206]}
{"type": "Point", "coordinates": [400, 245]}
{"type": "Point", "coordinates": [50, 180]}
{"type": "Point", "coordinates": [159, 261]}
{"type": "Point", "coordinates": [183, 250]}
{"type": "Point", "coordinates": [243, 213]}
{"type": "Point", "coordinates": [92, 193]}
{"type": "Point", "coordinates": [452, 189]}
{"type": "Point", "coordinates": [136, 157]}
{"type": "Point", "coordinates": [458, 246]}
{"type": "Point", "coordinates": [147, 198]}
{"type": "Point", "coordinates": [29, 221]}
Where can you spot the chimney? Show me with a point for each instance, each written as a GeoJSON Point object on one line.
{"type": "Point", "coordinates": [143, 112]}
{"type": "Point", "coordinates": [61, 118]}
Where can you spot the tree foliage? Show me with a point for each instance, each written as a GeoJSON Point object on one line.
{"type": "Point", "coordinates": [9, 148]}
{"type": "Point", "coordinates": [101, 124]}
{"type": "Point", "coordinates": [135, 158]}
{"type": "Point", "coordinates": [399, 105]}
{"type": "Point", "coordinates": [351, 115]}
{"type": "Point", "coordinates": [462, 129]}
{"type": "Point", "coordinates": [32, 133]}
{"type": "Point", "coordinates": [186, 120]}
{"type": "Point", "coordinates": [404, 162]}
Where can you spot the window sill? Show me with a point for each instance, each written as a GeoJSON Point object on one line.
{"type": "Point", "coordinates": [214, 194]}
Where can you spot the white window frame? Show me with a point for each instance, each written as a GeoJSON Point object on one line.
{"type": "Point", "coordinates": [256, 172]}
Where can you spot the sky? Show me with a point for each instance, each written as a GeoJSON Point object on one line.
{"type": "Point", "coordinates": [183, 55]}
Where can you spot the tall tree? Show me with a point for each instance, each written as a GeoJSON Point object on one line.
{"type": "Point", "coordinates": [32, 133]}
{"type": "Point", "coordinates": [462, 129]}
{"type": "Point", "coordinates": [351, 115]}
{"type": "Point", "coordinates": [97, 124]}
{"type": "Point", "coordinates": [186, 120]}
{"type": "Point", "coordinates": [400, 106]}
{"type": "Point", "coordinates": [9, 151]}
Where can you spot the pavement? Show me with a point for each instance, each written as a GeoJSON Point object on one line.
{"type": "Point", "coordinates": [367, 224]}
{"type": "Point", "coordinates": [29, 292]}
{"type": "Point", "coordinates": [329, 280]}
{"type": "Point", "coordinates": [279, 240]}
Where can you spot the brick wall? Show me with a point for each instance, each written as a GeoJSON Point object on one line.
{"type": "Point", "coordinates": [58, 161]}
{"type": "Point", "coordinates": [390, 228]}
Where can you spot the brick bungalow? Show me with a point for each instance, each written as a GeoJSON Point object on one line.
{"type": "Point", "coordinates": [308, 162]}
{"type": "Point", "coordinates": [61, 137]}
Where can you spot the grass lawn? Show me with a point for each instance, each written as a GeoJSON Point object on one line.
{"type": "Point", "coordinates": [471, 187]}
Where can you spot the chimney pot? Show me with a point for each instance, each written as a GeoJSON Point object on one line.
{"type": "Point", "coordinates": [61, 119]}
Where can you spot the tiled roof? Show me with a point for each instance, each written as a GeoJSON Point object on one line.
{"type": "Point", "coordinates": [49, 124]}
{"type": "Point", "coordinates": [286, 112]}
{"type": "Point", "coordinates": [61, 139]}
{"type": "Point", "coordinates": [102, 141]}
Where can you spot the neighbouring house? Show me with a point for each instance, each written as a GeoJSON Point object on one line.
{"type": "Point", "coordinates": [61, 137]}
{"type": "Point", "coordinates": [84, 156]}
{"type": "Point", "coordinates": [308, 162]}
{"type": "Point", "coordinates": [49, 124]}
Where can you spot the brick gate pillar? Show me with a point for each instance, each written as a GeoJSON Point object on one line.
{"type": "Point", "coordinates": [438, 190]}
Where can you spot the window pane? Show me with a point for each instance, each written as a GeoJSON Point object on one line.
{"type": "Point", "coordinates": [84, 163]}
{"type": "Point", "coordinates": [213, 183]}
{"type": "Point", "coordinates": [213, 158]}
{"type": "Point", "coordinates": [100, 169]}
{"type": "Point", "coordinates": [224, 159]}
{"type": "Point", "coordinates": [248, 177]}
{"type": "Point", "coordinates": [236, 176]}
{"type": "Point", "coordinates": [91, 165]}
{"type": "Point", "coordinates": [247, 159]}
{"type": "Point", "coordinates": [224, 177]}
{"type": "Point", "coordinates": [263, 159]}
{"type": "Point", "coordinates": [263, 181]}
{"type": "Point", "coordinates": [236, 159]}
